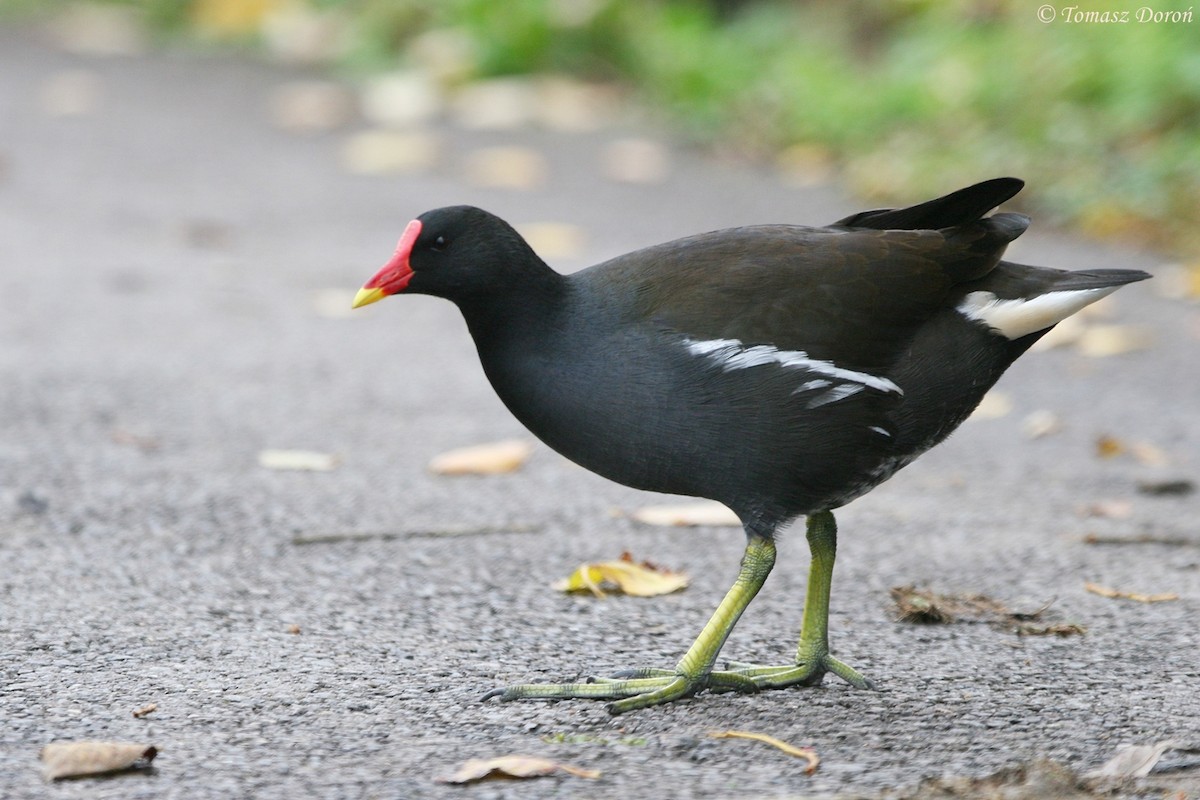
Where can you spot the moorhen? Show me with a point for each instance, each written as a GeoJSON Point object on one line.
{"type": "Point", "coordinates": [782, 370]}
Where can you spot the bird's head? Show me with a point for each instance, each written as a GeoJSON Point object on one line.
{"type": "Point", "coordinates": [451, 252]}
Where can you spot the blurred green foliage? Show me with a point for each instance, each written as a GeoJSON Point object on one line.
{"type": "Point", "coordinates": [912, 96]}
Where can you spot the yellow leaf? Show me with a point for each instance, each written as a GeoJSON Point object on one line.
{"type": "Point", "coordinates": [637, 580]}
{"type": "Point", "coordinates": [1138, 597]}
{"type": "Point", "coordinates": [493, 458]}
{"type": "Point", "coordinates": [78, 759]}
{"type": "Point", "coordinates": [478, 769]}
{"type": "Point", "coordinates": [807, 753]}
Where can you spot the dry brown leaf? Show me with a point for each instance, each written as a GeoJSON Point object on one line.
{"type": "Point", "coordinates": [303, 460]}
{"type": "Point", "coordinates": [807, 753]}
{"type": "Point", "coordinates": [478, 769]}
{"type": "Point", "coordinates": [1118, 594]}
{"type": "Point", "coordinates": [1134, 761]}
{"type": "Point", "coordinates": [493, 458]}
{"type": "Point", "coordinates": [707, 513]}
{"type": "Point", "coordinates": [1108, 509]}
{"type": "Point", "coordinates": [637, 580]}
{"type": "Point", "coordinates": [922, 606]}
{"type": "Point", "coordinates": [146, 710]}
{"type": "Point", "coordinates": [80, 759]}
{"type": "Point", "coordinates": [1109, 446]}
{"type": "Point", "coordinates": [1148, 454]}
{"type": "Point", "coordinates": [506, 167]}
{"type": "Point", "coordinates": [1101, 341]}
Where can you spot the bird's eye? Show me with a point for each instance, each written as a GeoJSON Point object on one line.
{"type": "Point", "coordinates": [439, 243]}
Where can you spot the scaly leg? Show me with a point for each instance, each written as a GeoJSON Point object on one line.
{"type": "Point", "coordinates": [812, 655]}
{"type": "Point", "coordinates": [641, 688]}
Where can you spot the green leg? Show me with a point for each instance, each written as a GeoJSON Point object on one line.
{"type": "Point", "coordinates": [812, 655]}
{"type": "Point", "coordinates": [694, 672]}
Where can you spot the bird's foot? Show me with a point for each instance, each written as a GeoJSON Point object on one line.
{"type": "Point", "coordinates": [632, 689]}
{"type": "Point", "coordinates": [809, 671]}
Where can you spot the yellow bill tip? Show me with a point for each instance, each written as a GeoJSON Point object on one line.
{"type": "Point", "coordinates": [367, 296]}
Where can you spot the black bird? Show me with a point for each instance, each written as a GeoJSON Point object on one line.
{"type": "Point", "coordinates": [782, 370]}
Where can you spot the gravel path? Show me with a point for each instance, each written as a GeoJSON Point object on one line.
{"type": "Point", "coordinates": [164, 261]}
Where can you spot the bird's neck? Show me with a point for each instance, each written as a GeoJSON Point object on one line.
{"type": "Point", "coordinates": [505, 316]}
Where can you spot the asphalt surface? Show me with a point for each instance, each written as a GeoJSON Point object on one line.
{"type": "Point", "coordinates": [322, 634]}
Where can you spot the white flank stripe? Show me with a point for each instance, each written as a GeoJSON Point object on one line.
{"type": "Point", "coordinates": [1013, 319]}
{"type": "Point", "coordinates": [840, 392]}
{"type": "Point", "coordinates": [731, 354]}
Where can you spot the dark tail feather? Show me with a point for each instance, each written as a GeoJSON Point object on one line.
{"type": "Point", "coordinates": [957, 208]}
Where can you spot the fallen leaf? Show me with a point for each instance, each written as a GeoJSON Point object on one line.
{"type": "Point", "coordinates": [145, 710]}
{"type": "Point", "coordinates": [1108, 509]}
{"type": "Point", "coordinates": [637, 580]}
{"type": "Point", "coordinates": [922, 606]}
{"type": "Point", "coordinates": [493, 458]}
{"type": "Point", "coordinates": [807, 753]}
{"type": "Point", "coordinates": [506, 167]}
{"type": "Point", "coordinates": [382, 152]}
{"type": "Point", "coordinates": [80, 759]}
{"type": "Point", "coordinates": [305, 460]}
{"type": "Point", "coordinates": [1134, 761]}
{"type": "Point", "coordinates": [994, 405]}
{"type": "Point", "coordinates": [640, 161]}
{"type": "Point", "coordinates": [705, 513]}
{"type": "Point", "coordinates": [478, 769]}
{"type": "Point", "coordinates": [1149, 454]}
{"type": "Point", "coordinates": [1039, 780]}
{"type": "Point", "coordinates": [1101, 341]}
{"type": "Point", "coordinates": [1109, 446]}
{"type": "Point", "coordinates": [293, 629]}
{"type": "Point", "coordinates": [1105, 591]}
